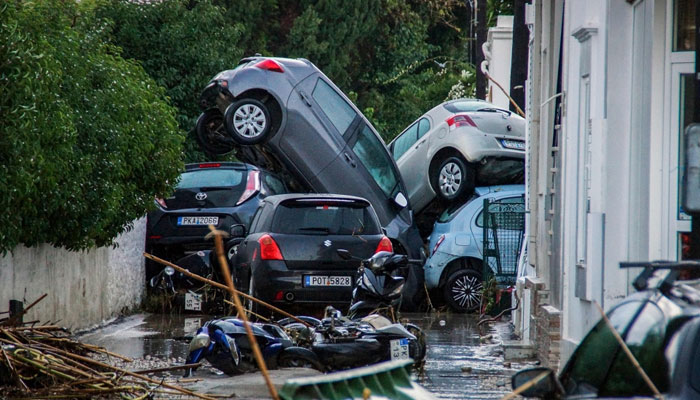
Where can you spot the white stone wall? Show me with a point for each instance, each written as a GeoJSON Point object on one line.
{"type": "Point", "coordinates": [84, 288]}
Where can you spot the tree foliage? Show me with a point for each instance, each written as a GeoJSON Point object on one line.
{"type": "Point", "coordinates": [87, 136]}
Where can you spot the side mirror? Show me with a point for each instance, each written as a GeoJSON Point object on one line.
{"type": "Point", "coordinates": [344, 254]}
{"type": "Point", "coordinates": [238, 230]}
{"type": "Point", "coordinates": [541, 382]}
{"type": "Point", "coordinates": [400, 200]}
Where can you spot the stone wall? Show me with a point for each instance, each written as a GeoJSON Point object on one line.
{"type": "Point", "coordinates": [545, 325]}
{"type": "Point", "coordinates": [84, 288]}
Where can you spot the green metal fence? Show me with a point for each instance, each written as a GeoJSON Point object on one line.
{"type": "Point", "coordinates": [504, 227]}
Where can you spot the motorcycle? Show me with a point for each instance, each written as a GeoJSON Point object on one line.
{"type": "Point", "coordinates": [225, 345]}
{"type": "Point", "coordinates": [203, 263]}
{"type": "Point", "coordinates": [380, 283]}
{"type": "Point", "coordinates": [340, 343]}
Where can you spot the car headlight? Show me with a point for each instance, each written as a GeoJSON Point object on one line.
{"type": "Point", "coordinates": [201, 340]}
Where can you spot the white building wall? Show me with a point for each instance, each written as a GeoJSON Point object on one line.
{"type": "Point", "coordinates": [498, 52]}
{"type": "Point", "coordinates": [84, 288]}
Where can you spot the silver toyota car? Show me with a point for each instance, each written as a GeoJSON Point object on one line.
{"type": "Point", "coordinates": [457, 146]}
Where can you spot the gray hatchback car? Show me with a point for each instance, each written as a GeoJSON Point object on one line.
{"type": "Point", "coordinates": [286, 116]}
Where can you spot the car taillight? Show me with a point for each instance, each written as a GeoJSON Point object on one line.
{"type": "Point", "coordinates": [161, 202]}
{"type": "Point", "coordinates": [437, 244]}
{"type": "Point", "coordinates": [252, 187]}
{"type": "Point", "coordinates": [269, 249]}
{"type": "Point", "coordinates": [210, 165]}
{"type": "Point", "coordinates": [458, 120]}
{"type": "Point", "coordinates": [269, 65]}
{"type": "Point", "coordinates": [384, 245]}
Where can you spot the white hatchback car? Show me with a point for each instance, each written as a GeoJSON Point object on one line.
{"type": "Point", "coordinates": [457, 146]}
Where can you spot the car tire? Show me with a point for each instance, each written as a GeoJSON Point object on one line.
{"type": "Point", "coordinates": [462, 291]}
{"type": "Point", "coordinates": [248, 121]}
{"type": "Point", "coordinates": [453, 179]}
{"type": "Point", "coordinates": [211, 134]}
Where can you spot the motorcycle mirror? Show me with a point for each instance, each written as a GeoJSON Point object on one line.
{"type": "Point", "coordinates": [398, 260]}
{"type": "Point", "coordinates": [344, 254]}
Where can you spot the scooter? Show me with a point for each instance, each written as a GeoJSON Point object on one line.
{"type": "Point", "coordinates": [225, 345]}
{"type": "Point", "coordinates": [380, 283]}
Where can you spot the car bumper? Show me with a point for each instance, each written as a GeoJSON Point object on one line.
{"type": "Point", "coordinates": [272, 278]}
{"type": "Point", "coordinates": [434, 266]}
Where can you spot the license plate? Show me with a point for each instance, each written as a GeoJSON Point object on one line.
{"type": "Point", "coordinates": [399, 349]}
{"type": "Point", "coordinates": [193, 301]}
{"type": "Point", "coordinates": [325, 280]}
{"type": "Point", "coordinates": [513, 144]}
{"type": "Point", "coordinates": [197, 220]}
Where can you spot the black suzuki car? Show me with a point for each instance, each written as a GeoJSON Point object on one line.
{"type": "Point", "coordinates": [290, 256]}
{"type": "Point", "coordinates": [223, 194]}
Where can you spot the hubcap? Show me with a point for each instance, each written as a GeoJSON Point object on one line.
{"type": "Point", "coordinates": [466, 291]}
{"type": "Point", "coordinates": [450, 179]}
{"type": "Point", "coordinates": [249, 120]}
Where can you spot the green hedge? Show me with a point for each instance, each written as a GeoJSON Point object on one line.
{"type": "Point", "coordinates": [87, 138]}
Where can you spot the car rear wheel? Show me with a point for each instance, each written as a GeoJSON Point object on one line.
{"type": "Point", "coordinates": [453, 179]}
{"type": "Point", "coordinates": [211, 134]}
{"type": "Point", "coordinates": [248, 121]}
{"type": "Point", "coordinates": [462, 291]}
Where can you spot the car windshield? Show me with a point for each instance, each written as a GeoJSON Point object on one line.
{"type": "Point", "coordinates": [372, 154]}
{"type": "Point", "coordinates": [214, 177]}
{"type": "Point", "coordinates": [599, 366]}
{"type": "Point", "coordinates": [329, 218]}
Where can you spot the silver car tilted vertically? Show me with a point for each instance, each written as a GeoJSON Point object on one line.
{"type": "Point", "coordinates": [286, 116]}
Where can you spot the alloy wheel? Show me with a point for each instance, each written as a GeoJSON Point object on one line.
{"type": "Point", "coordinates": [466, 291]}
{"type": "Point", "coordinates": [450, 179]}
{"type": "Point", "coordinates": [249, 121]}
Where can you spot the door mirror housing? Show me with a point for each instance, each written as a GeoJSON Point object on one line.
{"type": "Point", "coordinates": [400, 200]}
{"type": "Point", "coordinates": [541, 381]}
{"type": "Point", "coordinates": [238, 231]}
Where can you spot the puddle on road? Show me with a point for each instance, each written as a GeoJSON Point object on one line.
{"type": "Point", "coordinates": [156, 335]}
{"type": "Point", "coordinates": [458, 364]}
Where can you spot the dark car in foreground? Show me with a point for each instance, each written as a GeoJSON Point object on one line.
{"type": "Point", "coordinates": [223, 194]}
{"type": "Point", "coordinates": [290, 255]}
{"type": "Point", "coordinates": [286, 116]}
{"type": "Point", "coordinates": [660, 325]}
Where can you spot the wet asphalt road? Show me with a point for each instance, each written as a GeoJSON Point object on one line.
{"type": "Point", "coordinates": [460, 363]}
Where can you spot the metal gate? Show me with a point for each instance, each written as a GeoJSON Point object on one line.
{"type": "Point", "coordinates": [504, 228]}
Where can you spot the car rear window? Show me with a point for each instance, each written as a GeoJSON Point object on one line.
{"type": "Point", "coordinates": [324, 218]}
{"type": "Point", "coordinates": [466, 106]}
{"type": "Point", "coordinates": [210, 177]}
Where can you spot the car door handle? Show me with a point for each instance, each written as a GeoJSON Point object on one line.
{"type": "Point", "coordinates": [419, 143]}
{"type": "Point", "coordinates": [349, 160]}
{"type": "Point", "coordinates": [304, 99]}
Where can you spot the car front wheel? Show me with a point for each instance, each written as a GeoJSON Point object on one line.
{"type": "Point", "coordinates": [462, 291]}
{"type": "Point", "coordinates": [454, 179]}
{"type": "Point", "coordinates": [248, 121]}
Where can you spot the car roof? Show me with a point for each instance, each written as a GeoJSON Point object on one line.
{"type": "Point", "coordinates": [276, 199]}
{"type": "Point", "coordinates": [484, 190]}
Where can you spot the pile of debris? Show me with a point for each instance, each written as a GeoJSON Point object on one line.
{"type": "Point", "coordinates": [45, 362]}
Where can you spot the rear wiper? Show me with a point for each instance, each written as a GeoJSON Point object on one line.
{"type": "Point", "coordinates": [316, 229]}
{"type": "Point", "coordinates": [210, 188]}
